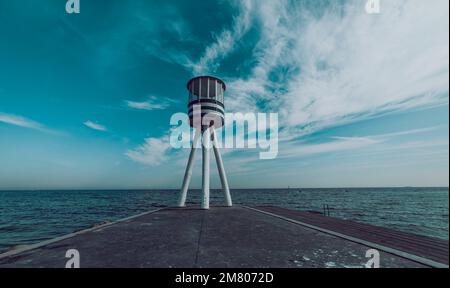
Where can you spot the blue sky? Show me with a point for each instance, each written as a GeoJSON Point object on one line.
{"type": "Point", "coordinates": [86, 99]}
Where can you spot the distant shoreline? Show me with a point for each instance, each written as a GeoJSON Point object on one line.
{"type": "Point", "coordinates": [175, 189]}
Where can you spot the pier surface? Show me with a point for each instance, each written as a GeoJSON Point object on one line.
{"type": "Point", "coordinates": [233, 237]}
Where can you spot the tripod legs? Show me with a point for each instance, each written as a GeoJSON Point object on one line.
{"type": "Point", "coordinates": [208, 134]}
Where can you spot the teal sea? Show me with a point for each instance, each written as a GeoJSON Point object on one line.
{"type": "Point", "coordinates": [28, 217]}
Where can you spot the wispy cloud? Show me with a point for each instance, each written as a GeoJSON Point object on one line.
{"type": "Point", "coordinates": [151, 103]}
{"type": "Point", "coordinates": [336, 144]}
{"type": "Point", "coordinates": [20, 121]}
{"type": "Point", "coordinates": [25, 123]}
{"type": "Point", "coordinates": [226, 41]}
{"type": "Point", "coordinates": [408, 132]}
{"type": "Point", "coordinates": [339, 143]}
{"type": "Point", "coordinates": [153, 152]}
{"type": "Point", "coordinates": [95, 126]}
{"type": "Point", "coordinates": [340, 65]}
{"type": "Point", "coordinates": [356, 66]}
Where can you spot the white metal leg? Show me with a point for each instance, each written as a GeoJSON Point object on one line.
{"type": "Point", "coordinates": [205, 166]}
{"type": "Point", "coordinates": [222, 174]}
{"type": "Point", "coordinates": [188, 173]}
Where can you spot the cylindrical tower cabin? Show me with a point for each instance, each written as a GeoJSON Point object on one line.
{"type": "Point", "coordinates": [206, 97]}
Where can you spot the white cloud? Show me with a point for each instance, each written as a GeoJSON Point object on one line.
{"type": "Point", "coordinates": [408, 132]}
{"type": "Point", "coordinates": [153, 152]}
{"type": "Point", "coordinates": [20, 121]}
{"type": "Point", "coordinates": [25, 123]}
{"type": "Point", "coordinates": [225, 42]}
{"type": "Point", "coordinates": [343, 65]}
{"type": "Point", "coordinates": [152, 103]}
{"type": "Point", "coordinates": [357, 65]}
{"type": "Point", "coordinates": [95, 126]}
{"type": "Point", "coordinates": [337, 144]}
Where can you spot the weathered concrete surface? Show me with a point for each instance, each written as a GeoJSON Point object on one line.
{"type": "Point", "coordinates": [221, 237]}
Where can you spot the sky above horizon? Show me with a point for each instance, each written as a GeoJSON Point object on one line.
{"type": "Point", "coordinates": [86, 99]}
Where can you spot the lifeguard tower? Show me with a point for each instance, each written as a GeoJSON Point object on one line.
{"type": "Point", "coordinates": [206, 114]}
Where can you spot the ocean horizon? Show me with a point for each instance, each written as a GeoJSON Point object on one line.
{"type": "Point", "coordinates": [32, 216]}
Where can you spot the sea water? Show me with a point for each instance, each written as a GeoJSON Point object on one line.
{"type": "Point", "coordinates": [28, 217]}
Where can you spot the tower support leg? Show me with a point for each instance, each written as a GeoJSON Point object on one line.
{"type": "Point", "coordinates": [205, 166]}
{"type": "Point", "coordinates": [188, 173]}
{"type": "Point", "coordinates": [222, 174]}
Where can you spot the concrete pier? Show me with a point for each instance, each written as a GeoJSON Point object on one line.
{"type": "Point", "coordinates": [234, 237]}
